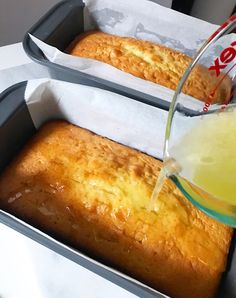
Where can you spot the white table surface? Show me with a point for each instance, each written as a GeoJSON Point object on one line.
{"type": "Point", "coordinates": [27, 269]}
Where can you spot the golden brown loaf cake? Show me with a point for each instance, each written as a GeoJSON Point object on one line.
{"type": "Point", "coordinates": [151, 62]}
{"type": "Point", "coordinates": [93, 194]}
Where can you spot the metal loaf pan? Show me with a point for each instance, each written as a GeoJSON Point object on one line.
{"type": "Point", "coordinates": [16, 128]}
{"type": "Point", "coordinates": [58, 28]}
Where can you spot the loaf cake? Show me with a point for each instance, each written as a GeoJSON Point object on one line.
{"type": "Point", "coordinates": [152, 62]}
{"type": "Point", "coordinates": [93, 194]}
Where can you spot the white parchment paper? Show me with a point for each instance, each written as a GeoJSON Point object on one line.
{"type": "Point", "coordinates": [141, 19]}
{"type": "Point", "coordinates": [116, 117]}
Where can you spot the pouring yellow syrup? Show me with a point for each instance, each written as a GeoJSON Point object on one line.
{"type": "Point", "coordinates": [170, 168]}
{"type": "Point", "coordinates": [205, 159]}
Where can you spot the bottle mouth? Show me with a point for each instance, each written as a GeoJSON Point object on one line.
{"type": "Point", "coordinates": [171, 167]}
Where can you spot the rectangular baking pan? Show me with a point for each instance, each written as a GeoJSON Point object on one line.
{"type": "Point", "coordinates": [16, 128]}
{"type": "Point", "coordinates": [58, 28]}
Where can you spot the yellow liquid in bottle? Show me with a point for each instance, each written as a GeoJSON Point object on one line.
{"type": "Point", "coordinates": [207, 157]}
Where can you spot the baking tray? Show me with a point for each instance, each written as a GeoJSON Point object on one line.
{"type": "Point", "coordinates": [16, 128]}
{"type": "Point", "coordinates": [58, 28]}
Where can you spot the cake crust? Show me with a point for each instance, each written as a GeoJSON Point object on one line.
{"type": "Point", "coordinates": [152, 62]}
